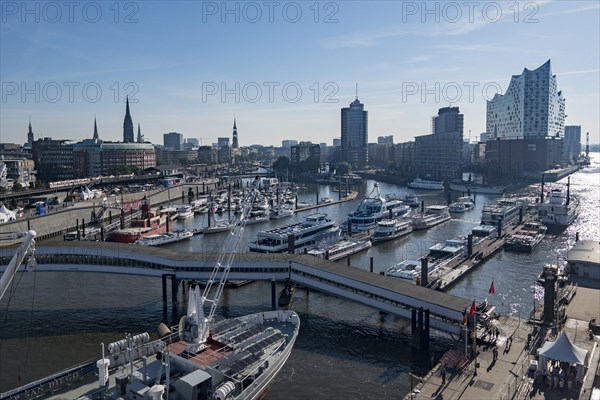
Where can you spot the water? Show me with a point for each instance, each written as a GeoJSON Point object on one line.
{"type": "Point", "coordinates": [55, 320]}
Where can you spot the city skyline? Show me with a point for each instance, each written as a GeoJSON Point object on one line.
{"type": "Point", "coordinates": [405, 69]}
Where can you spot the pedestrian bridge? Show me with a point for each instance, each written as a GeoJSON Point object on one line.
{"type": "Point", "coordinates": [390, 295]}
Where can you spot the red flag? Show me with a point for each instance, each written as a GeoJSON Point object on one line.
{"type": "Point", "coordinates": [492, 291]}
{"type": "Point", "coordinates": [473, 308]}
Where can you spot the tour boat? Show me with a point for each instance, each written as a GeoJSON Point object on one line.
{"type": "Point", "coordinates": [505, 210]}
{"type": "Point", "coordinates": [159, 240]}
{"type": "Point", "coordinates": [461, 205]}
{"type": "Point", "coordinates": [426, 184]}
{"type": "Point", "coordinates": [433, 215]}
{"type": "Point", "coordinates": [341, 249]}
{"type": "Point", "coordinates": [373, 208]}
{"type": "Point", "coordinates": [526, 238]}
{"type": "Point", "coordinates": [559, 210]}
{"type": "Point", "coordinates": [389, 229]}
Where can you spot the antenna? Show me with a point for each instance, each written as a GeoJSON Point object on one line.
{"type": "Point", "coordinates": [357, 91]}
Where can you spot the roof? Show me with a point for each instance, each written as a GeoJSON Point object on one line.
{"type": "Point", "coordinates": [563, 350]}
{"type": "Point", "coordinates": [585, 251]}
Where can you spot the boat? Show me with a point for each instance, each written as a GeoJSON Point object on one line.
{"type": "Point", "coordinates": [408, 270]}
{"type": "Point", "coordinates": [463, 204]}
{"type": "Point", "coordinates": [281, 212]}
{"type": "Point", "coordinates": [148, 224]}
{"type": "Point", "coordinates": [389, 229]}
{"type": "Point", "coordinates": [505, 210]}
{"type": "Point", "coordinates": [304, 204]}
{"type": "Point", "coordinates": [159, 240]}
{"type": "Point", "coordinates": [341, 249]}
{"type": "Point", "coordinates": [559, 210]}
{"type": "Point", "coordinates": [285, 296]}
{"type": "Point", "coordinates": [479, 189]}
{"type": "Point", "coordinates": [411, 200]}
{"type": "Point", "coordinates": [185, 212]}
{"type": "Point", "coordinates": [374, 207]}
{"type": "Point", "coordinates": [314, 228]}
{"type": "Point", "coordinates": [325, 200]}
{"type": "Point", "coordinates": [218, 226]}
{"type": "Point", "coordinates": [433, 215]}
{"type": "Point", "coordinates": [526, 238]}
{"type": "Point", "coordinates": [203, 357]}
{"type": "Point", "coordinates": [257, 215]}
{"type": "Point", "coordinates": [419, 183]}
{"type": "Point", "coordinates": [558, 271]}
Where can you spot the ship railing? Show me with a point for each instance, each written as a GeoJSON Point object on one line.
{"type": "Point", "coordinates": [52, 382]}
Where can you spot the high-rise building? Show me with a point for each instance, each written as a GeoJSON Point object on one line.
{"type": "Point", "coordinates": [572, 143]}
{"type": "Point", "coordinates": [173, 140]}
{"type": "Point", "coordinates": [389, 139]}
{"type": "Point", "coordinates": [355, 134]}
{"type": "Point", "coordinates": [525, 126]}
{"type": "Point", "coordinates": [235, 143]}
{"type": "Point", "coordinates": [128, 125]}
{"type": "Point", "coordinates": [448, 120]}
{"type": "Point", "coordinates": [288, 143]}
{"type": "Point", "coordinates": [439, 156]}
{"type": "Point", "coordinates": [304, 150]}
{"type": "Point", "coordinates": [532, 107]}
{"type": "Point", "coordinates": [222, 142]}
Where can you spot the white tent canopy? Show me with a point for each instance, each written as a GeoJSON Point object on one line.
{"type": "Point", "coordinates": [6, 211]}
{"type": "Point", "coordinates": [563, 350]}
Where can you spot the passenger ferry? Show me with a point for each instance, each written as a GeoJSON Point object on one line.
{"type": "Point", "coordinates": [389, 229]}
{"type": "Point", "coordinates": [433, 215]}
{"type": "Point", "coordinates": [507, 210]}
{"type": "Point", "coordinates": [373, 208]}
{"type": "Point", "coordinates": [462, 205]}
{"type": "Point", "coordinates": [426, 184]}
{"type": "Point", "coordinates": [411, 200]}
{"type": "Point", "coordinates": [559, 210]}
{"type": "Point", "coordinates": [341, 249]}
{"type": "Point", "coordinates": [314, 228]}
{"type": "Point", "coordinates": [159, 240]}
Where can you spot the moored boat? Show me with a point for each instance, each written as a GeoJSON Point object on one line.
{"type": "Point", "coordinates": [419, 183]}
{"type": "Point", "coordinates": [148, 224]}
{"type": "Point", "coordinates": [559, 210]}
{"type": "Point", "coordinates": [341, 249]}
{"type": "Point", "coordinates": [461, 205]}
{"type": "Point", "coordinates": [159, 240]}
{"type": "Point", "coordinates": [526, 238]}
{"type": "Point", "coordinates": [433, 215]}
{"type": "Point", "coordinates": [373, 208]}
{"type": "Point", "coordinates": [389, 229]}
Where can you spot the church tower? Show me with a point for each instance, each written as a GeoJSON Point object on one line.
{"type": "Point", "coordinates": [235, 144]}
{"type": "Point", "coordinates": [96, 136]}
{"type": "Point", "coordinates": [140, 138]}
{"type": "Point", "coordinates": [30, 136]}
{"type": "Point", "coordinates": [128, 126]}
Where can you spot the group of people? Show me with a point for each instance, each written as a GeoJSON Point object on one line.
{"type": "Point", "coordinates": [557, 376]}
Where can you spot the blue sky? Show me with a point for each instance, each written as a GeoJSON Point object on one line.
{"type": "Point", "coordinates": [190, 67]}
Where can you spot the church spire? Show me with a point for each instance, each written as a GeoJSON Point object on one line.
{"type": "Point", "coordinates": [140, 138]}
{"type": "Point", "coordinates": [127, 125]}
{"type": "Point", "coordinates": [30, 135]}
{"type": "Point", "coordinates": [96, 137]}
{"type": "Point", "coordinates": [235, 144]}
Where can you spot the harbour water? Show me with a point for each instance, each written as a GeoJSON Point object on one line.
{"type": "Point", "coordinates": [344, 350]}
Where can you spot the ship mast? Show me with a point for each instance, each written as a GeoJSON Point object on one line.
{"type": "Point", "coordinates": [195, 328]}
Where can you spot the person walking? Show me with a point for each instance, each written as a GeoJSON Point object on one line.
{"type": "Point", "coordinates": [495, 353]}
{"type": "Point", "coordinates": [443, 374]}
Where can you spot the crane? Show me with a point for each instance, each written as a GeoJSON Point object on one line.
{"type": "Point", "coordinates": [22, 251]}
{"type": "Point", "coordinates": [194, 327]}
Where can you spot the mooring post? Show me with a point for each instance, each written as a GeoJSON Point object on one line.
{"type": "Point", "coordinates": [424, 271]}
{"type": "Point", "coordinates": [83, 228]}
{"type": "Point", "coordinates": [426, 329]}
{"type": "Point", "coordinates": [273, 294]}
{"type": "Point", "coordinates": [28, 224]}
{"type": "Point", "coordinates": [174, 290]}
{"type": "Point", "coordinates": [470, 244]}
{"type": "Point", "coordinates": [348, 260]}
{"type": "Point", "coordinates": [164, 289]}
{"type": "Point", "coordinates": [371, 264]}
{"type": "Point", "coordinates": [102, 234]}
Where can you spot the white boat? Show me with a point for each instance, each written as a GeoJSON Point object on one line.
{"type": "Point", "coordinates": [202, 358]}
{"type": "Point", "coordinates": [281, 212]}
{"type": "Point", "coordinates": [159, 240]}
{"type": "Point", "coordinates": [185, 212]}
{"type": "Point", "coordinates": [411, 200]}
{"type": "Point", "coordinates": [217, 226]}
{"type": "Point", "coordinates": [408, 270]}
{"type": "Point", "coordinates": [479, 189]}
{"type": "Point", "coordinates": [325, 200]}
{"type": "Point", "coordinates": [341, 249]}
{"type": "Point", "coordinates": [258, 217]}
{"type": "Point", "coordinates": [419, 183]}
{"type": "Point", "coordinates": [462, 205]}
{"type": "Point", "coordinates": [389, 229]}
{"type": "Point", "coordinates": [374, 207]}
{"type": "Point", "coordinates": [433, 215]}
{"type": "Point", "coordinates": [315, 227]}
{"type": "Point", "coordinates": [505, 210]}
{"type": "Point", "coordinates": [558, 210]}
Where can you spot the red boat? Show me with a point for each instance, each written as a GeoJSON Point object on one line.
{"type": "Point", "coordinates": [148, 224]}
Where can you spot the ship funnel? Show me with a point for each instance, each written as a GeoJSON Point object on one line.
{"type": "Point", "coordinates": [542, 196]}
{"type": "Point", "coordinates": [568, 190]}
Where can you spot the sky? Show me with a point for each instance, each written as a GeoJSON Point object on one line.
{"type": "Point", "coordinates": [283, 69]}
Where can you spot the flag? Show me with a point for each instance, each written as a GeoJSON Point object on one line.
{"type": "Point", "coordinates": [492, 291]}
{"type": "Point", "coordinates": [473, 308]}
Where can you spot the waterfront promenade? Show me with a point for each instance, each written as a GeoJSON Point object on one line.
{"type": "Point", "coordinates": [509, 376]}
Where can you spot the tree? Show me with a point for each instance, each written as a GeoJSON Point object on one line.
{"type": "Point", "coordinates": [281, 164]}
{"type": "Point", "coordinates": [310, 165]}
{"type": "Point", "coordinates": [343, 168]}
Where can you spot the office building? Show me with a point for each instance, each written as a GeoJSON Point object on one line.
{"type": "Point", "coordinates": [448, 120]}
{"type": "Point", "coordinates": [173, 140]}
{"type": "Point", "coordinates": [354, 124]}
{"type": "Point", "coordinates": [53, 159]}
